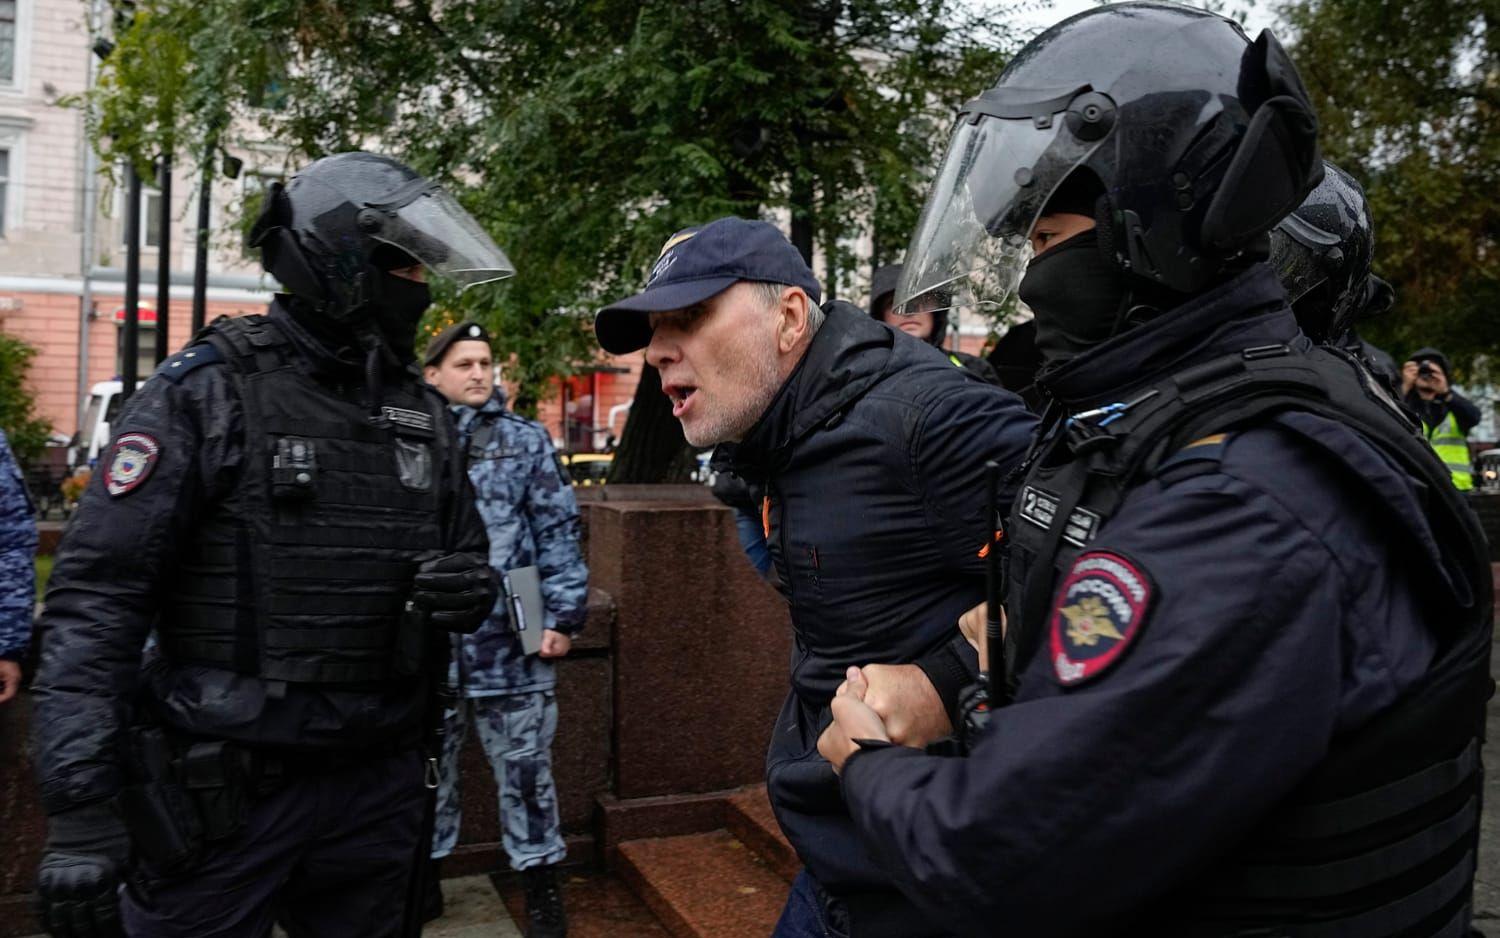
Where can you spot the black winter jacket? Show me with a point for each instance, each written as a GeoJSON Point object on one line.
{"type": "Point", "coordinates": [119, 559]}
{"type": "Point", "coordinates": [872, 459]}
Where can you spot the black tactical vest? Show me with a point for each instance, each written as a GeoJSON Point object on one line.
{"type": "Point", "coordinates": [302, 573]}
{"type": "Point", "coordinates": [1381, 839]}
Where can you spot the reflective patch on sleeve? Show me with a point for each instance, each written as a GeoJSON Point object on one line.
{"type": "Point", "coordinates": [130, 462]}
{"type": "Point", "coordinates": [1099, 612]}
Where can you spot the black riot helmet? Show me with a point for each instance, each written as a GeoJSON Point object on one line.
{"type": "Point", "coordinates": [1200, 139]}
{"type": "Point", "coordinates": [1322, 253]}
{"type": "Point", "coordinates": [343, 222]}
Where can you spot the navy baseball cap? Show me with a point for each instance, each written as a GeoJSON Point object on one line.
{"type": "Point", "coordinates": [699, 263]}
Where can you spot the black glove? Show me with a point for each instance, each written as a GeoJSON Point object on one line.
{"type": "Point", "coordinates": [82, 865]}
{"type": "Point", "coordinates": [457, 591]}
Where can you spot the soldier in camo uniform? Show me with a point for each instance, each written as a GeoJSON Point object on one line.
{"type": "Point", "coordinates": [528, 507]}
{"type": "Point", "coordinates": [17, 571]}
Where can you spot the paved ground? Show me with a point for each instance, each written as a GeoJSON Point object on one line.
{"type": "Point", "coordinates": [472, 910]}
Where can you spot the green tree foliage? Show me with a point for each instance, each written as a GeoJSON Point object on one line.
{"type": "Point", "coordinates": [26, 431]}
{"type": "Point", "coordinates": [1408, 93]}
{"type": "Point", "coordinates": [580, 132]}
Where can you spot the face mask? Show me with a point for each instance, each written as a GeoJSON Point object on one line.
{"type": "Point", "coordinates": [398, 306]}
{"type": "Point", "coordinates": [1075, 294]}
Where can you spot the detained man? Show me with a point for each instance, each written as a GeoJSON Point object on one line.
{"type": "Point", "coordinates": [869, 450]}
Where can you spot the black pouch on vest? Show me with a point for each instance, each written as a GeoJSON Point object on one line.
{"type": "Point", "coordinates": [294, 469]}
{"type": "Point", "coordinates": [414, 464]}
{"type": "Point", "coordinates": [411, 642]}
{"type": "Point", "coordinates": [163, 822]}
{"type": "Point", "coordinates": [217, 777]}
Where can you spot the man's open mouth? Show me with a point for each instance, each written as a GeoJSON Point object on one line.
{"type": "Point", "coordinates": [680, 395]}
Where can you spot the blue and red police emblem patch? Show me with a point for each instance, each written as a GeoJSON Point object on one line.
{"type": "Point", "coordinates": [1100, 610]}
{"type": "Point", "coordinates": [130, 463]}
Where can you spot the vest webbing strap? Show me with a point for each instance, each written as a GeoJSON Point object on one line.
{"type": "Point", "coordinates": [1395, 917]}
{"type": "Point", "coordinates": [332, 571]}
{"type": "Point", "coordinates": [327, 638]}
{"type": "Point", "coordinates": [385, 603]}
{"type": "Point", "coordinates": [388, 536]}
{"type": "Point", "coordinates": [1345, 876]}
{"type": "Point", "coordinates": [327, 430]}
{"type": "Point", "coordinates": [1332, 818]}
{"type": "Point", "coordinates": [246, 658]}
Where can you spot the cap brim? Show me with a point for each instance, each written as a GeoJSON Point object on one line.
{"type": "Point", "coordinates": [625, 326]}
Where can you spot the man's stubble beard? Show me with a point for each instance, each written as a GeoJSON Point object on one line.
{"type": "Point", "coordinates": [735, 418]}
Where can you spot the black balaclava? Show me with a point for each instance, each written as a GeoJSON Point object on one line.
{"type": "Point", "coordinates": [1080, 296]}
{"type": "Point", "coordinates": [1074, 290]}
{"type": "Point", "coordinates": [396, 303]}
{"type": "Point", "coordinates": [1076, 295]}
{"type": "Point", "coordinates": [397, 306]}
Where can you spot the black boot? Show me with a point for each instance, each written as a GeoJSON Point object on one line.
{"type": "Point", "coordinates": [544, 905]}
{"type": "Point", "coordinates": [432, 896]}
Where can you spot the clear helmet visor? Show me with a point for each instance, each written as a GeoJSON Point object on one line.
{"type": "Point", "coordinates": [429, 224]}
{"type": "Point", "coordinates": [970, 247]}
{"type": "Point", "coordinates": [1298, 249]}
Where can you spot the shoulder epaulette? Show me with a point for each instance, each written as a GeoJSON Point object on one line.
{"type": "Point", "coordinates": [175, 368]}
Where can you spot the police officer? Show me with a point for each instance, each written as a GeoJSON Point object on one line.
{"type": "Point", "coordinates": [1322, 254]}
{"type": "Point", "coordinates": [17, 571]}
{"type": "Point", "coordinates": [1248, 624]}
{"type": "Point", "coordinates": [508, 693]}
{"type": "Point", "coordinates": [927, 320]}
{"type": "Point", "coordinates": [284, 510]}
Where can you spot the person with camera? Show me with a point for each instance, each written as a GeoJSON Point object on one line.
{"type": "Point", "coordinates": [1447, 416]}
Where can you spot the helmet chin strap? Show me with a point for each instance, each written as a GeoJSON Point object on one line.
{"type": "Point", "coordinates": [374, 345]}
{"type": "Point", "coordinates": [359, 319]}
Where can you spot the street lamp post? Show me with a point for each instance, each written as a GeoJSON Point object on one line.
{"type": "Point", "coordinates": [164, 256]}
{"type": "Point", "coordinates": [132, 336]}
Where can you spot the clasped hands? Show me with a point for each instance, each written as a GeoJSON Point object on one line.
{"type": "Point", "coordinates": [892, 702]}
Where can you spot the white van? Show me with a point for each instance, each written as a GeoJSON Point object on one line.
{"type": "Point", "coordinates": [93, 433]}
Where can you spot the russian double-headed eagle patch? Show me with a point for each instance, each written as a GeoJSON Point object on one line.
{"type": "Point", "coordinates": [130, 463]}
{"type": "Point", "coordinates": [1100, 609]}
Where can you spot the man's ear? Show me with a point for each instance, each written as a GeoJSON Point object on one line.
{"type": "Point", "coordinates": [430, 373]}
{"type": "Point", "coordinates": [791, 320]}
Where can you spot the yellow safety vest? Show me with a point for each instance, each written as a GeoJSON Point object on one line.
{"type": "Point", "coordinates": [1453, 450]}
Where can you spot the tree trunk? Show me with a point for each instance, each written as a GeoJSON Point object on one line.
{"type": "Point", "coordinates": [652, 448]}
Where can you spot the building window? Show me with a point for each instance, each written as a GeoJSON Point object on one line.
{"type": "Point", "coordinates": [150, 218]}
{"type": "Point", "coordinates": [7, 41]}
{"type": "Point", "coordinates": [145, 352]}
{"type": "Point", "coordinates": [4, 190]}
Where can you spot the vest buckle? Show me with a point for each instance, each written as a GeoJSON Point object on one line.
{"type": "Point", "coordinates": [1086, 430]}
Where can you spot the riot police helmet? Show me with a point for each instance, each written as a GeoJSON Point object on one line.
{"type": "Point", "coordinates": [1322, 253]}
{"type": "Point", "coordinates": [340, 223]}
{"type": "Point", "coordinates": [1197, 139]}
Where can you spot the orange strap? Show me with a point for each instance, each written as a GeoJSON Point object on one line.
{"type": "Point", "coordinates": [765, 515]}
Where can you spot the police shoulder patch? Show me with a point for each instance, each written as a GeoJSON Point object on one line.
{"type": "Point", "coordinates": [130, 462]}
{"type": "Point", "coordinates": [1099, 612]}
